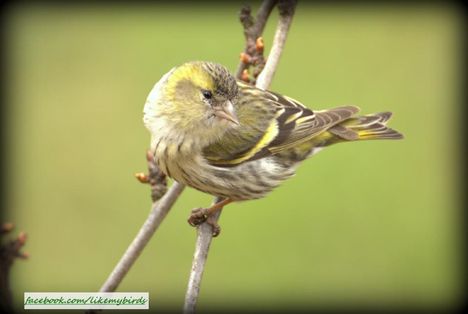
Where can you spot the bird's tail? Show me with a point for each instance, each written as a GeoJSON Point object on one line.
{"type": "Point", "coordinates": [368, 127]}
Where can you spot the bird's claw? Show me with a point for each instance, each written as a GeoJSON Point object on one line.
{"type": "Point", "coordinates": [199, 216]}
{"type": "Point", "coordinates": [213, 222]}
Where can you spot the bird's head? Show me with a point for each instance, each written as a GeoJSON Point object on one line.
{"type": "Point", "coordinates": [196, 97]}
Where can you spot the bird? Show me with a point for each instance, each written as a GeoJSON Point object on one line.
{"type": "Point", "coordinates": [237, 142]}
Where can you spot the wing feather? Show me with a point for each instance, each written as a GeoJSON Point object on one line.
{"type": "Point", "coordinates": [283, 124]}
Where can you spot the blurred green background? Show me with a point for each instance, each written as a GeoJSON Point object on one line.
{"type": "Point", "coordinates": [369, 223]}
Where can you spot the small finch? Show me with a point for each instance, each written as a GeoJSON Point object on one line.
{"type": "Point", "coordinates": [232, 140]}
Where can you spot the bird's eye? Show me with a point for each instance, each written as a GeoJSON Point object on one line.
{"type": "Point", "coordinates": [207, 94]}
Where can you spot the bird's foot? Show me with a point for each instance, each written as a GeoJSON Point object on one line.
{"type": "Point", "coordinates": [201, 215]}
{"type": "Point", "coordinates": [198, 216]}
{"type": "Point", "coordinates": [213, 222]}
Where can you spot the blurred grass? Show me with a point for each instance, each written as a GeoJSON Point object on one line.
{"type": "Point", "coordinates": [363, 223]}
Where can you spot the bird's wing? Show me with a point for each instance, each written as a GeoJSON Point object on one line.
{"type": "Point", "coordinates": [270, 123]}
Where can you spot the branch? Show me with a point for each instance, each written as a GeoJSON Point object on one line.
{"type": "Point", "coordinates": [253, 30]}
{"type": "Point", "coordinates": [286, 11]}
{"type": "Point", "coordinates": [9, 252]}
{"type": "Point", "coordinates": [158, 212]}
{"type": "Point", "coordinates": [204, 237]}
{"type": "Point", "coordinates": [155, 178]}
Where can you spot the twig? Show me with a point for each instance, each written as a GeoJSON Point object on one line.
{"type": "Point", "coordinates": [202, 247]}
{"type": "Point", "coordinates": [155, 178]}
{"type": "Point", "coordinates": [253, 31]}
{"type": "Point", "coordinates": [286, 11]}
{"type": "Point", "coordinates": [9, 252]}
{"type": "Point", "coordinates": [157, 214]}
{"type": "Point", "coordinates": [204, 236]}
{"type": "Point", "coordinates": [159, 210]}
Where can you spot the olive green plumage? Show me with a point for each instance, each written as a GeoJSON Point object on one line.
{"type": "Point", "coordinates": [230, 139]}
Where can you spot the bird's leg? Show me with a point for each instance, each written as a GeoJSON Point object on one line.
{"type": "Point", "coordinates": [200, 215]}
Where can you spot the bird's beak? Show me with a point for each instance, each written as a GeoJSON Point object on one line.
{"type": "Point", "coordinates": [226, 111]}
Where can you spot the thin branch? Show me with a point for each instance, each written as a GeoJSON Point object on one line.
{"type": "Point", "coordinates": [155, 178]}
{"type": "Point", "coordinates": [158, 212]}
{"type": "Point", "coordinates": [204, 236]}
{"type": "Point", "coordinates": [252, 31]}
{"type": "Point", "coordinates": [286, 11]}
{"type": "Point", "coordinates": [10, 250]}
{"type": "Point", "coordinates": [158, 183]}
